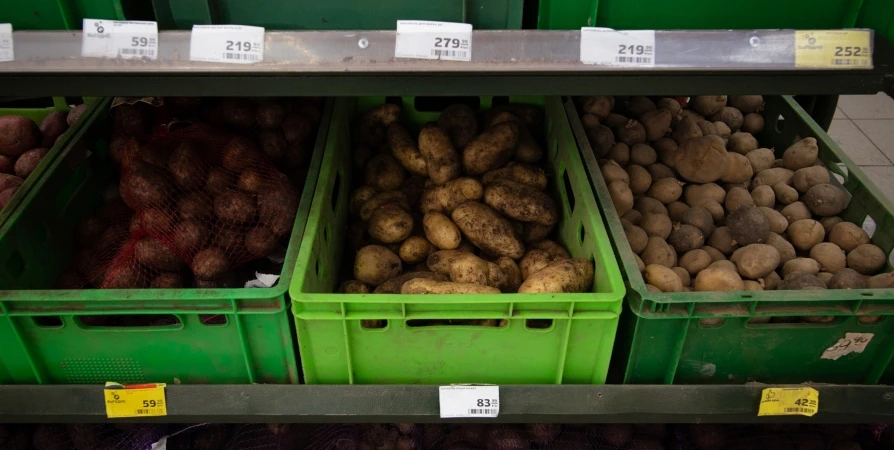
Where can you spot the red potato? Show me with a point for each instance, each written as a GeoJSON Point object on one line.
{"type": "Point", "coordinates": [7, 164]}
{"type": "Point", "coordinates": [29, 160]}
{"type": "Point", "coordinates": [6, 196]}
{"type": "Point", "coordinates": [53, 126]}
{"type": "Point", "coordinates": [76, 113]}
{"type": "Point", "coordinates": [9, 181]}
{"type": "Point", "coordinates": [17, 135]}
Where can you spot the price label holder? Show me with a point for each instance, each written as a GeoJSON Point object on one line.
{"type": "Point", "coordinates": [422, 39]}
{"type": "Point", "coordinates": [124, 39]}
{"type": "Point", "coordinates": [801, 401]}
{"type": "Point", "coordinates": [6, 48]}
{"type": "Point", "coordinates": [464, 401]}
{"type": "Point", "coordinates": [608, 47]}
{"type": "Point", "coordinates": [836, 49]}
{"type": "Point", "coordinates": [135, 400]}
{"type": "Point", "coordinates": [238, 44]}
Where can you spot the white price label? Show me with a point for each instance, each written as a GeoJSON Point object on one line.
{"type": "Point", "coordinates": [6, 50]}
{"type": "Point", "coordinates": [608, 47]}
{"type": "Point", "coordinates": [119, 39]}
{"type": "Point", "coordinates": [227, 43]}
{"type": "Point", "coordinates": [469, 401]}
{"type": "Point", "coordinates": [421, 39]}
{"type": "Point", "coordinates": [850, 343]}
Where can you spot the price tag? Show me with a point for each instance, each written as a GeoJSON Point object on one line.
{"type": "Point", "coordinates": [227, 43]}
{"type": "Point", "coordinates": [135, 400]}
{"type": "Point", "coordinates": [124, 39]}
{"type": "Point", "coordinates": [850, 343]}
{"type": "Point", "coordinates": [421, 39]}
{"type": "Point", "coordinates": [469, 401]}
{"type": "Point", "coordinates": [839, 49]}
{"type": "Point", "coordinates": [6, 49]}
{"type": "Point", "coordinates": [608, 47]}
{"type": "Point", "coordinates": [789, 402]}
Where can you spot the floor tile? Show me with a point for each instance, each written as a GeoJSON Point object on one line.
{"type": "Point", "coordinates": [883, 178]}
{"type": "Point", "coordinates": [879, 106]}
{"type": "Point", "coordinates": [856, 145]}
{"type": "Point", "coordinates": [839, 114]}
{"type": "Point", "coordinates": [881, 133]}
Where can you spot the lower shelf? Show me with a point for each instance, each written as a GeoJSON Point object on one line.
{"type": "Point", "coordinates": [419, 404]}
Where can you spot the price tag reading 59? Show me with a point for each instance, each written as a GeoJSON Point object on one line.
{"type": "Point", "coordinates": [469, 401]}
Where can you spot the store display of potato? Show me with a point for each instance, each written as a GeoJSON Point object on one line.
{"type": "Point", "coordinates": [480, 222]}
{"type": "Point", "coordinates": [201, 200]}
{"type": "Point", "coordinates": [746, 220]}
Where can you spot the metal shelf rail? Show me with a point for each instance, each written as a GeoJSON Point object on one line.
{"type": "Point", "coordinates": [416, 404]}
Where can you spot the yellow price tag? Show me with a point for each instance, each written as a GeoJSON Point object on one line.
{"type": "Point", "coordinates": [789, 402]}
{"type": "Point", "coordinates": [135, 400]}
{"type": "Point", "coordinates": [840, 49]}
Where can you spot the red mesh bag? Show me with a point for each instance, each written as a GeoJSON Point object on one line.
{"type": "Point", "coordinates": [195, 202]}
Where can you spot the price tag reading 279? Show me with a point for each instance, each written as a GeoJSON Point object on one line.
{"type": "Point", "coordinates": [422, 39]}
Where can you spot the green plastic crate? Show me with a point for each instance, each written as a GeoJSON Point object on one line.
{"type": "Point", "coordinates": [57, 14]}
{"type": "Point", "coordinates": [336, 14]}
{"type": "Point", "coordinates": [878, 15]}
{"type": "Point", "coordinates": [336, 349]}
{"type": "Point", "coordinates": [37, 115]}
{"type": "Point", "coordinates": [714, 337]}
{"type": "Point", "coordinates": [223, 335]}
{"type": "Point", "coordinates": [698, 14]}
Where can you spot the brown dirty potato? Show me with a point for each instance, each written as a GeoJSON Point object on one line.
{"type": "Point", "coordinates": [297, 127]}
{"type": "Point", "coordinates": [622, 197]}
{"type": "Point", "coordinates": [685, 237]}
{"type": "Point", "coordinates": [848, 236]}
{"type": "Point", "coordinates": [738, 169]}
{"type": "Point", "coordinates": [405, 151]}
{"type": "Point", "coordinates": [384, 173]}
{"type": "Point", "coordinates": [602, 140]}
{"type": "Point", "coordinates": [598, 105]}
{"type": "Point", "coordinates": [659, 171]}
{"type": "Point", "coordinates": [521, 202]}
{"type": "Point", "coordinates": [460, 123]}
{"type": "Point", "coordinates": [631, 133]}
{"type": "Point", "coordinates": [441, 231]}
{"type": "Point", "coordinates": [565, 276]}
{"type": "Point", "coordinates": [463, 267]}
{"type": "Point", "coordinates": [447, 197]}
{"type": "Point", "coordinates": [785, 194]}
{"type": "Point", "coordinates": [757, 260]}
{"type": "Point", "coordinates": [753, 123]}
{"type": "Point", "coordinates": [487, 230]}
{"type": "Point", "coordinates": [426, 286]}
{"type": "Point", "coordinates": [636, 237]}
{"type": "Point", "coordinates": [186, 166]}
{"type": "Point", "coordinates": [168, 281]}
{"type": "Point", "coordinates": [825, 200]}
{"type": "Point", "coordinates": [866, 259]}
{"type": "Point", "coordinates": [666, 190]}
{"type": "Point", "coordinates": [195, 205]}
{"type": "Point", "coordinates": [145, 185]}
{"type": "Point", "coordinates": [804, 234]}
{"type": "Point", "coordinates": [633, 216]}
{"type": "Point", "coordinates": [638, 105]}
{"type": "Point", "coordinates": [676, 210]}
{"type": "Point", "coordinates": [219, 181]}
{"type": "Point", "coordinates": [260, 241]}
{"type": "Point", "coordinates": [190, 235]}
{"type": "Point", "coordinates": [722, 129]}
{"type": "Point", "coordinates": [277, 208]}
{"type": "Point", "coordinates": [238, 154]}
{"type": "Point", "coordinates": [804, 265]}
{"type": "Point", "coordinates": [656, 123]}
{"type": "Point", "coordinates": [829, 222]}
{"type": "Point", "coordinates": [785, 248]}
{"type": "Point", "coordinates": [415, 249]}
{"type": "Point", "coordinates": [611, 171]}
{"type": "Point", "coordinates": [491, 149]}
{"type": "Point", "coordinates": [747, 103]}
{"type": "Point", "coordinates": [643, 154]}
{"type": "Point", "coordinates": [618, 153]}
{"type": "Point", "coordinates": [394, 285]}
{"type": "Point", "coordinates": [761, 159]}
{"type": "Point", "coordinates": [764, 196]}
{"type": "Point", "coordinates": [374, 264]}
{"type": "Point", "coordinates": [685, 130]}
{"type": "Point", "coordinates": [210, 264]}
{"type": "Point", "coordinates": [883, 281]}
{"type": "Point", "coordinates": [778, 222]}
{"type": "Point", "coordinates": [797, 281]}
{"type": "Point", "coordinates": [441, 158]}
{"type": "Point", "coordinates": [663, 278]}
{"type": "Point", "coordinates": [659, 252]}
{"type": "Point", "coordinates": [702, 160]}
{"type": "Point", "coordinates": [707, 105]}
{"type": "Point", "coordinates": [640, 179]}
{"type": "Point", "coordinates": [748, 225]}
{"type": "Point", "coordinates": [772, 176]}
{"type": "Point", "coordinates": [390, 224]}
{"type": "Point", "coordinates": [273, 144]}
{"type": "Point", "coordinates": [541, 255]}
{"type": "Point", "coordinates": [353, 287]}
{"type": "Point", "coordinates": [808, 177]}
{"type": "Point", "coordinates": [526, 174]}
{"type": "Point", "coordinates": [801, 154]}
{"type": "Point", "coordinates": [722, 241]}
{"type": "Point", "coordinates": [694, 261]}
{"type": "Point", "coordinates": [829, 256]}
{"type": "Point", "coordinates": [695, 194]}
{"type": "Point", "coordinates": [717, 279]}
{"type": "Point", "coordinates": [657, 225]}
{"type": "Point", "coordinates": [729, 116]}
{"type": "Point", "coordinates": [738, 197]}
{"type": "Point", "coordinates": [742, 143]}
{"type": "Point", "coordinates": [795, 212]}
{"type": "Point", "coordinates": [235, 206]}
{"type": "Point", "coordinates": [157, 255]}
{"type": "Point", "coordinates": [252, 181]}
{"type": "Point", "coordinates": [849, 279]}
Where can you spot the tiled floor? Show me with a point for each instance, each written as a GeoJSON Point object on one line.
{"type": "Point", "coordinates": [864, 128]}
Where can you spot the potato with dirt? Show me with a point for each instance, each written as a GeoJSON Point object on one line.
{"type": "Point", "coordinates": [426, 286]}
{"type": "Point", "coordinates": [447, 197]}
{"type": "Point", "coordinates": [144, 185]}
{"type": "Point", "coordinates": [527, 174]}
{"type": "Point", "coordinates": [210, 264]}
{"type": "Point", "coordinates": [375, 264]}
{"type": "Point", "coordinates": [464, 267]}
{"type": "Point", "coordinates": [441, 159]}
{"type": "Point", "coordinates": [186, 166]}
{"type": "Point", "coordinates": [564, 276]}
{"type": "Point", "coordinates": [441, 231]}
{"type": "Point", "coordinates": [460, 123]}
{"type": "Point", "coordinates": [702, 159]}
{"type": "Point", "coordinates": [521, 202]}
{"type": "Point", "coordinates": [390, 224]}
{"type": "Point", "coordinates": [487, 230]}
{"type": "Point", "coordinates": [491, 149]}
{"type": "Point", "coordinates": [404, 149]}
{"type": "Point", "coordinates": [384, 173]}
{"type": "Point", "coordinates": [394, 285]}
{"type": "Point", "coordinates": [28, 161]}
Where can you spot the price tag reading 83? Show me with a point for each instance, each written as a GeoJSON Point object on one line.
{"type": "Point", "coordinates": [119, 39]}
{"type": "Point", "coordinates": [421, 39]}
{"type": "Point", "coordinates": [605, 46]}
{"type": "Point", "coordinates": [227, 43]}
{"type": "Point", "coordinates": [469, 401]}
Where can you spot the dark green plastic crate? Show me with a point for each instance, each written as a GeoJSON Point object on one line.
{"type": "Point", "coordinates": [336, 349]}
{"type": "Point", "coordinates": [698, 14]}
{"type": "Point", "coordinates": [46, 342]}
{"type": "Point", "coordinates": [57, 14]}
{"type": "Point", "coordinates": [706, 337]}
{"type": "Point", "coordinates": [336, 14]}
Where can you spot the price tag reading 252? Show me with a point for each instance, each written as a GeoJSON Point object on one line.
{"type": "Point", "coordinates": [422, 39]}
{"type": "Point", "coordinates": [227, 43]}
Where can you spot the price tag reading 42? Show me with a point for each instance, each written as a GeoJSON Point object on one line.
{"type": "Point", "coordinates": [124, 39]}
{"type": "Point", "coordinates": [837, 49]}
{"type": "Point", "coordinates": [135, 400]}
{"type": "Point", "coordinates": [422, 39]}
{"type": "Point", "coordinates": [469, 401]}
{"type": "Point", "coordinates": [789, 402]}
{"type": "Point", "coordinates": [227, 43]}
{"type": "Point", "coordinates": [605, 46]}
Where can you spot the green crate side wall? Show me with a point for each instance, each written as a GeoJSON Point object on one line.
{"type": "Point", "coordinates": [255, 345]}
{"type": "Point", "coordinates": [664, 345]}
{"type": "Point", "coordinates": [664, 15]}
{"type": "Point", "coordinates": [336, 15]}
{"type": "Point", "coordinates": [335, 349]}
{"type": "Point", "coordinates": [58, 14]}
{"type": "Point", "coordinates": [878, 15]}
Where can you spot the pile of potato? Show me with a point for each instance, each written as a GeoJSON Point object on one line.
{"type": "Point", "coordinates": [458, 207]}
{"type": "Point", "coordinates": [705, 208]}
{"type": "Point", "coordinates": [23, 144]}
{"type": "Point", "coordinates": [197, 201]}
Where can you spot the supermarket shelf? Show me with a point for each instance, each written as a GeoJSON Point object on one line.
{"type": "Point", "coordinates": [504, 63]}
{"type": "Point", "coordinates": [565, 404]}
